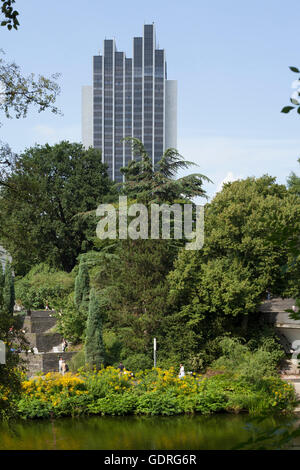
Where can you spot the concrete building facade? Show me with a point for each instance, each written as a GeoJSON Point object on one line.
{"type": "Point", "coordinates": [130, 97]}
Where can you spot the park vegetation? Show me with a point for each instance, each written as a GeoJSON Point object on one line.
{"type": "Point", "coordinates": [252, 386]}
{"type": "Point", "coordinates": [112, 297]}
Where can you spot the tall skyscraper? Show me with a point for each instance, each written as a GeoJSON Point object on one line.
{"type": "Point", "coordinates": [130, 98]}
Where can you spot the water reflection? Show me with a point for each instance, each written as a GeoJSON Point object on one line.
{"type": "Point", "coordinates": [125, 433]}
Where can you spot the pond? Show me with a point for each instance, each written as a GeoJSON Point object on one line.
{"type": "Point", "coordinates": [220, 431]}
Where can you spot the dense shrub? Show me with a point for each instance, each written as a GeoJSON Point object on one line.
{"type": "Point", "coordinates": [251, 366]}
{"type": "Point", "coordinates": [77, 361]}
{"type": "Point", "coordinates": [157, 403]}
{"type": "Point", "coordinates": [43, 284]}
{"type": "Point", "coordinates": [114, 404]}
{"type": "Point", "coordinates": [150, 392]}
{"type": "Point", "coordinates": [138, 362]}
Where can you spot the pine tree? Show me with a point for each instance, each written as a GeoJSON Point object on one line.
{"type": "Point", "coordinates": [8, 289]}
{"type": "Point", "coordinates": [82, 286]}
{"type": "Point", "coordinates": [94, 346]}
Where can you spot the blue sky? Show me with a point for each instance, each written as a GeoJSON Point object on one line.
{"type": "Point", "coordinates": [230, 58]}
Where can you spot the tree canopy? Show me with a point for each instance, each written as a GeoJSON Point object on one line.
{"type": "Point", "coordinates": [220, 286]}
{"type": "Point", "coordinates": [147, 183]}
{"type": "Point", "coordinates": [45, 191]}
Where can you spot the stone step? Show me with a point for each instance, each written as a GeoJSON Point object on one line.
{"type": "Point", "coordinates": [42, 324]}
{"type": "Point", "coordinates": [50, 360]}
{"type": "Point", "coordinates": [44, 342]}
{"type": "Point", "coordinates": [41, 313]}
{"type": "Point", "coordinates": [44, 362]}
{"type": "Point", "coordinates": [37, 327]}
{"type": "Point", "coordinates": [27, 324]}
{"type": "Point", "coordinates": [277, 305]}
{"type": "Point", "coordinates": [33, 363]}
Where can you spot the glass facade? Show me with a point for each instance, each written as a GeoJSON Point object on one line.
{"type": "Point", "coordinates": [129, 100]}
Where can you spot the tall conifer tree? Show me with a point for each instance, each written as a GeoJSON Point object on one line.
{"type": "Point", "coordinates": [94, 347]}
{"type": "Point", "coordinates": [82, 286]}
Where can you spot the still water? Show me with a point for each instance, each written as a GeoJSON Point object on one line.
{"type": "Point", "coordinates": [150, 433]}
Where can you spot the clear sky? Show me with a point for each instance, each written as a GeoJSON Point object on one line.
{"type": "Point", "coordinates": [230, 58]}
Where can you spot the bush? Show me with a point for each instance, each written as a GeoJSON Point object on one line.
{"type": "Point", "coordinates": [77, 361]}
{"type": "Point", "coordinates": [151, 392]}
{"type": "Point", "coordinates": [102, 383]}
{"type": "Point", "coordinates": [43, 284]}
{"type": "Point", "coordinates": [114, 404]}
{"type": "Point", "coordinates": [34, 408]}
{"type": "Point", "coordinates": [138, 362]}
{"type": "Point", "coordinates": [251, 366]}
{"type": "Point", "coordinates": [157, 403]}
{"type": "Point", "coordinates": [113, 347]}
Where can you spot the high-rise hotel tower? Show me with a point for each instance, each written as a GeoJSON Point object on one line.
{"type": "Point", "coordinates": [130, 98]}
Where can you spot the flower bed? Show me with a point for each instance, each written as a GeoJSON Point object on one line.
{"type": "Point", "coordinates": [151, 392]}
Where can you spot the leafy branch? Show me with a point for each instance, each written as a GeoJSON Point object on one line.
{"type": "Point", "coordinates": [294, 99]}
{"type": "Point", "coordinates": [10, 15]}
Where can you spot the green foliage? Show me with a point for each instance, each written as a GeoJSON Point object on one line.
{"type": "Point", "coordinates": [77, 361]}
{"type": "Point", "coordinates": [113, 404]}
{"type": "Point", "coordinates": [250, 227]}
{"type": "Point", "coordinates": [23, 92]}
{"type": "Point", "coordinates": [2, 280]}
{"type": "Point", "coordinates": [137, 362]}
{"type": "Point", "coordinates": [112, 346]}
{"type": "Point", "coordinates": [8, 289]}
{"type": "Point", "coordinates": [157, 403]}
{"type": "Point", "coordinates": [43, 284]}
{"type": "Point", "coordinates": [11, 371]}
{"type": "Point", "coordinates": [295, 101]}
{"type": "Point", "coordinates": [45, 193]}
{"type": "Point", "coordinates": [147, 184]}
{"type": "Point", "coordinates": [82, 287]}
{"type": "Point", "coordinates": [151, 392]}
{"type": "Point", "coordinates": [250, 366]}
{"type": "Point", "coordinates": [10, 14]}
{"type": "Point", "coordinates": [293, 182]}
{"type": "Point", "coordinates": [132, 288]}
{"type": "Point", "coordinates": [30, 408]}
{"type": "Point", "coordinates": [94, 346]}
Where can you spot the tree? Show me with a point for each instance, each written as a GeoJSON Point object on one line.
{"type": "Point", "coordinates": [10, 377]}
{"type": "Point", "coordinates": [55, 184]}
{"type": "Point", "coordinates": [249, 226]}
{"type": "Point", "coordinates": [17, 95]}
{"type": "Point", "coordinates": [94, 347]}
{"type": "Point", "coordinates": [147, 184]}
{"type": "Point", "coordinates": [132, 283]}
{"type": "Point", "coordinates": [133, 290]}
{"type": "Point", "coordinates": [8, 289]}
